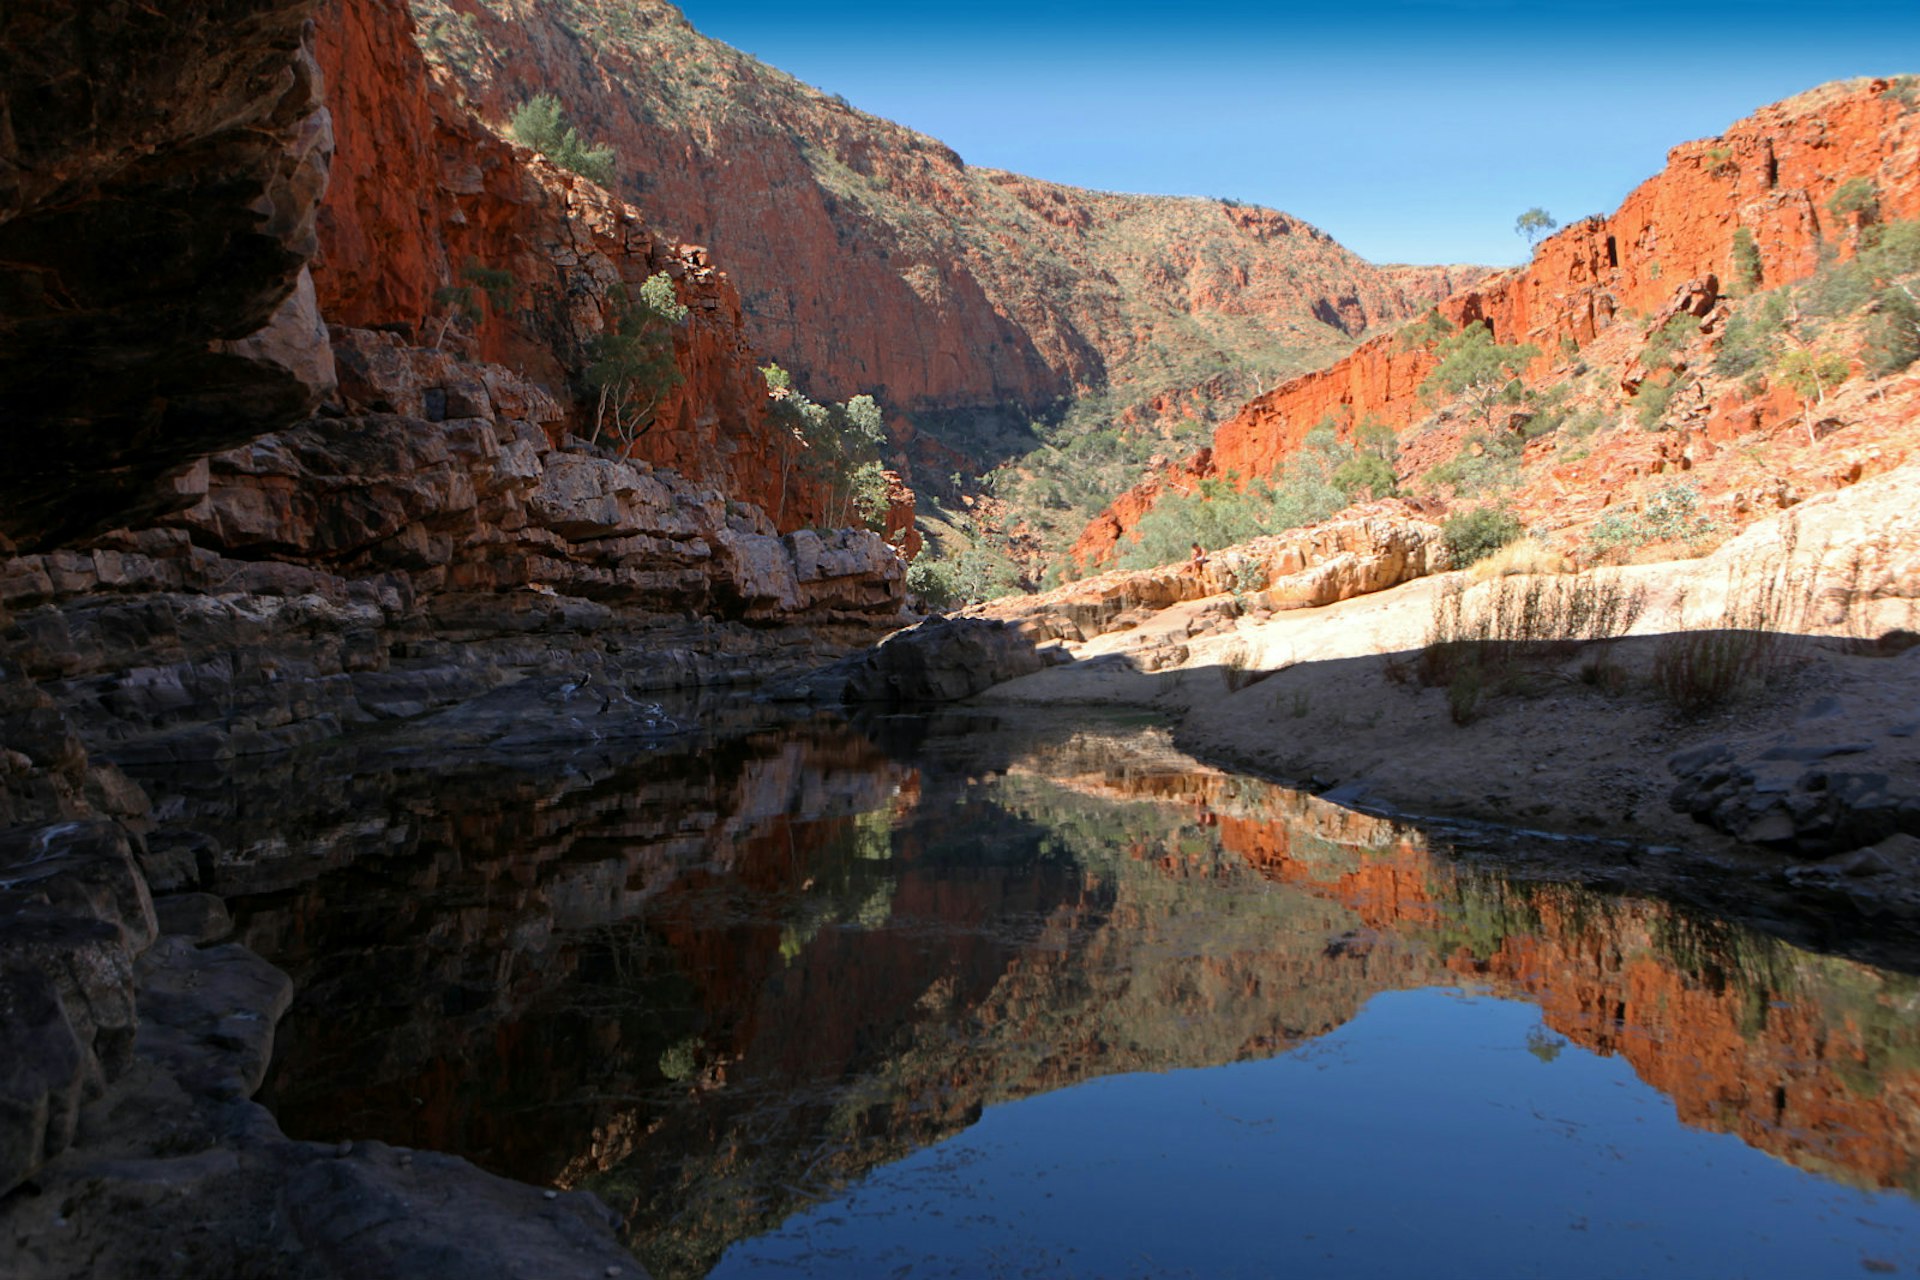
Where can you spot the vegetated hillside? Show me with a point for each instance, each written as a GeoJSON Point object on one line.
{"type": "Point", "coordinates": [1663, 340]}
{"type": "Point", "coordinates": [871, 258]}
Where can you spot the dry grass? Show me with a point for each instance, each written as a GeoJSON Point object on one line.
{"type": "Point", "coordinates": [1535, 613]}
{"type": "Point", "coordinates": [1749, 642]}
{"type": "Point", "coordinates": [1495, 637]}
{"type": "Point", "coordinates": [1527, 557]}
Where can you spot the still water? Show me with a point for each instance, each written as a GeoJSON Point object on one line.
{"type": "Point", "coordinates": [973, 996]}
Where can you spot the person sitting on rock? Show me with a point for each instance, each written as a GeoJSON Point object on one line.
{"type": "Point", "coordinates": [1199, 560]}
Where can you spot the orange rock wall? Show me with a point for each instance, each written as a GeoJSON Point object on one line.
{"type": "Point", "coordinates": [422, 193]}
{"type": "Point", "coordinates": [1771, 173]}
{"type": "Point", "coordinates": [873, 258]}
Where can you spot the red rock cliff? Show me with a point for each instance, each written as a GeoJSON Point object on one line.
{"type": "Point", "coordinates": [1771, 173]}
{"type": "Point", "coordinates": [424, 197]}
{"type": "Point", "coordinates": [874, 259]}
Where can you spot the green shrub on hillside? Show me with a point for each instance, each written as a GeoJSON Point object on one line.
{"type": "Point", "coordinates": [842, 452]}
{"type": "Point", "coordinates": [1752, 335]}
{"type": "Point", "coordinates": [954, 582]}
{"type": "Point", "coordinates": [1855, 198]}
{"type": "Point", "coordinates": [541, 123]}
{"type": "Point", "coordinates": [1668, 339]}
{"type": "Point", "coordinates": [1747, 267]}
{"type": "Point", "coordinates": [1893, 334]}
{"type": "Point", "coordinates": [1671, 514]}
{"type": "Point", "coordinates": [1424, 332]}
{"type": "Point", "coordinates": [1655, 397]}
{"type": "Point", "coordinates": [1476, 369]}
{"type": "Point", "coordinates": [1484, 464]}
{"type": "Point", "coordinates": [1220, 514]}
{"type": "Point", "coordinates": [1475, 535]}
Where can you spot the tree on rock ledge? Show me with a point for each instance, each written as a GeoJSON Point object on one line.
{"type": "Point", "coordinates": [1533, 224]}
{"type": "Point", "coordinates": [1474, 368]}
{"type": "Point", "coordinates": [633, 363]}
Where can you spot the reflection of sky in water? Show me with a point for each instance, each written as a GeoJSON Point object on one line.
{"type": "Point", "coordinates": [1434, 1135]}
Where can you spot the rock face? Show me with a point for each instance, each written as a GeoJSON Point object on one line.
{"type": "Point", "coordinates": [148, 1048]}
{"type": "Point", "coordinates": [435, 228]}
{"type": "Point", "coordinates": [347, 569]}
{"type": "Point", "coordinates": [1771, 174]}
{"type": "Point", "coordinates": [1374, 547]}
{"type": "Point", "coordinates": [875, 260]}
{"type": "Point", "coordinates": [195, 143]}
{"type": "Point", "coordinates": [940, 660]}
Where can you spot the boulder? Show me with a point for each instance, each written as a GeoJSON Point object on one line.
{"type": "Point", "coordinates": [939, 660]}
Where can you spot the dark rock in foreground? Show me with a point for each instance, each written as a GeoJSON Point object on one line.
{"type": "Point", "coordinates": [939, 660]}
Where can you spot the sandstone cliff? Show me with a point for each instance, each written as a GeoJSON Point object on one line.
{"type": "Point", "coordinates": [874, 258]}
{"type": "Point", "coordinates": [1771, 174]}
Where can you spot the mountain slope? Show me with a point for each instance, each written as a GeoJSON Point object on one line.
{"type": "Point", "coordinates": [1586, 299]}
{"type": "Point", "coordinates": [872, 258]}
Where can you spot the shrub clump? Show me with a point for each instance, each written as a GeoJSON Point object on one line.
{"type": "Point", "coordinates": [1747, 266]}
{"type": "Point", "coordinates": [1325, 475]}
{"type": "Point", "coordinates": [1671, 514]}
{"type": "Point", "coordinates": [1475, 535]}
{"type": "Point", "coordinates": [541, 123]}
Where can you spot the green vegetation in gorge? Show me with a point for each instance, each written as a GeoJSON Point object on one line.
{"type": "Point", "coordinates": [1323, 476]}
{"type": "Point", "coordinates": [1474, 535]}
{"type": "Point", "coordinates": [1671, 514]}
{"type": "Point", "coordinates": [541, 124]}
{"type": "Point", "coordinates": [632, 364]}
{"type": "Point", "coordinates": [1479, 371]}
{"type": "Point", "coordinates": [842, 453]}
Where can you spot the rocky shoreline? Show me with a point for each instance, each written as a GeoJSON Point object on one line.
{"type": "Point", "coordinates": [438, 578]}
{"type": "Point", "coordinates": [1795, 802]}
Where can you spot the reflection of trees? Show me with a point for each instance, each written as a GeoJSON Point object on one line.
{"type": "Point", "coordinates": [717, 986]}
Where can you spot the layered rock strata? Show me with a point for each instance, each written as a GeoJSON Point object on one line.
{"type": "Point", "coordinates": [1370, 549]}
{"type": "Point", "coordinates": [351, 569]}
{"type": "Point", "coordinates": [875, 259]}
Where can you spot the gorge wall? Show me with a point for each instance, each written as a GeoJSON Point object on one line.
{"type": "Point", "coordinates": [434, 225]}
{"type": "Point", "coordinates": [875, 260]}
{"type": "Point", "coordinates": [1772, 174]}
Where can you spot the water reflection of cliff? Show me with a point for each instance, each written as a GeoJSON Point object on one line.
{"type": "Point", "coordinates": [1811, 1058]}
{"type": "Point", "coordinates": [716, 984]}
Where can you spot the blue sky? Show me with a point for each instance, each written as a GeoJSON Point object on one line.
{"type": "Point", "coordinates": [1412, 130]}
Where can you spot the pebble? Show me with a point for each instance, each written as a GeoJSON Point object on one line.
{"type": "Point", "coordinates": [551, 1195]}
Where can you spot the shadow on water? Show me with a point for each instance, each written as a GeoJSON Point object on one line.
{"type": "Point", "coordinates": [719, 977]}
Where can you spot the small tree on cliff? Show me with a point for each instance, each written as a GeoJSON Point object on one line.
{"type": "Point", "coordinates": [1810, 374]}
{"type": "Point", "coordinates": [1424, 332]}
{"type": "Point", "coordinates": [838, 446]}
{"type": "Point", "coordinates": [633, 365]}
{"type": "Point", "coordinates": [1474, 368]}
{"type": "Point", "coordinates": [1533, 224]}
{"type": "Point", "coordinates": [1371, 467]}
{"type": "Point", "coordinates": [541, 123]}
{"type": "Point", "coordinates": [1857, 200]}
